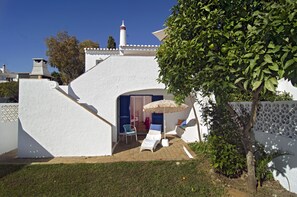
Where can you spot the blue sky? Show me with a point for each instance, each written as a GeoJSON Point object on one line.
{"type": "Point", "coordinates": [25, 24]}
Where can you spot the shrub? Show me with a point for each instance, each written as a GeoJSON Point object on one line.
{"type": "Point", "coordinates": [226, 158]}
{"type": "Point", "coordinates": [225, 148]}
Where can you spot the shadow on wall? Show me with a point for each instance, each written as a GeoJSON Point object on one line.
{"type": "Point", "coordinates": [28, 147]}
{"type": "Point", "coordinates": [286, 165]}
{"type": "Point", "coordinates": [72, 93]}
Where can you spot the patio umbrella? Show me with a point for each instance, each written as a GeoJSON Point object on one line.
{"type": "Point", "coordinates": [160, 34]}
{"type": "Point", "coordinates": [164, 106]}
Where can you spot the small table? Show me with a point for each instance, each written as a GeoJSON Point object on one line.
{"type": "Point", "coordinates": [165, 142]}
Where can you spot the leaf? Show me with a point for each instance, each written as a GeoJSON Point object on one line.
{"type": "Point", "coordinates": [268, 59]}
{"type": "Point", "coordinates": [281, 73]}
{"type": "Point", "coordinates": [252, 63]}
{"type": "Point", "coordinates": [239, 25]}
{"type": "Point", "coordinates": [245, 84]}
{"type": "Point", "coordinates": [206, 8]}
{"type": "Point", "coordinates": [284, 57]}
{"type": "Point", "coordinates": [291, 16]}
{"type": "Point", "coordinates": [271, 45]}
{"type": "Point", "coordinates": [273, 67]}
{"type": "Point", "coordinates": [256, 84]}
{"type": "Point", "coordinates": [249, 27]}
{"type": "Point", "coordinates": [289, 63]}
{"type": "Point", "coordinates": [269, 85]}
{"type": "Point", "coordinates": [267, 71]}
{"type": "Point", "coordinates": [238, 80]}
{"type": "Point", "coordinates": [273, 80]}
{"type": "Point", "coordinates": [232, 86]}
{"type": "Point", "coordinates": [248, 55]}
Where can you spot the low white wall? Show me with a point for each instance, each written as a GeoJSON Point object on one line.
{"type": "Point", "coordinates": [52, 125]}
{"type": "Point", "coordinates": [8, 127]}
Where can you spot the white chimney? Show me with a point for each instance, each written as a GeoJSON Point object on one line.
{"type": "Point", "coordinates": [40, 68]}
{"type": "Point", "coordinates": [123, 41]}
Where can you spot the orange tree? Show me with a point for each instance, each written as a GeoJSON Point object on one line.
{"type": "Point", "coordinates": [221, 46]}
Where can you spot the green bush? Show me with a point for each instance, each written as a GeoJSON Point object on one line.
{"type": "Point", "coordinates": [226, 158]}
{"type": "Point", "coordinates": [200, 147]}
{"type": "Point", "coordinates": [9, 91]}
{"type": "Point", "coordinates": [225, 148]}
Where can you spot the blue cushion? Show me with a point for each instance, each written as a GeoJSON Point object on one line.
{"type": "Point", "coordinates": [184, 123]}
{"type": "Point", "coordinates": [156, 127]}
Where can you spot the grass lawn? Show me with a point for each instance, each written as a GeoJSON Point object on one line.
{"type": "Point", "coordinates": [162, 178]}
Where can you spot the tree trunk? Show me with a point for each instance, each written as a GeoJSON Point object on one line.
{"type": "Point", "coordinates": [249, 140]}
{"type": "Point", "coordinates": [250, 161]}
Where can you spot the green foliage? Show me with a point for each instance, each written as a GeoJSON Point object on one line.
{"type": "Point", "coordinates": [213, 46]}
{"type": "Point", "coordinates": [200, 147]}
{"type": "Point", "coordinates": [111, 44]}
{"type": "Point", "coordinates": [218, 47]}
{"type": "Point", "coordinates": [268, 96]}
{"type": "Point", "coordinates": [226, 158]}
{"type": "Point", "coordinates": [85, 44]}
{"type": "Point", "coordinates": [224, 142]}
{"type": "Point", "coordinates": [226, 150]}
{"type": "Point", "coordinates": [66, 53]}
{"type": "Point", "coordinates": [10, 91]}
{"type": "Point", "coordinates": [57, 77]}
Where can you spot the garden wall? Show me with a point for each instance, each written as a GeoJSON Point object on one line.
{"type": "Point", "coordinates": [8, 126]}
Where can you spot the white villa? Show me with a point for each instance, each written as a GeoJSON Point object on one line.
{"type": "Point", "coordinates": [86, 117]}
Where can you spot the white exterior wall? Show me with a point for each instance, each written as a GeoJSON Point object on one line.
{"type": "Point", "coordinates": [92, 55]}
{"type": "Point", "coordinates": [119, 75]}
{"type": "Point", "coordinates": [8, 127]}
{"type": "Point", "coordinates": [285, 85]}
{"type": "Point", "coordinates": [53, 125]}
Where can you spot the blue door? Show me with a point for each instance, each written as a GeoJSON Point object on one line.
{"type": "Point", "coordinates": [157, 118]}
{"type": "Point", "coordinates": [124, 111]}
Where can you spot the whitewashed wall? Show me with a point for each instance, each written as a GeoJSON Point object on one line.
{"type": "Point", "coordinates": [118, 75]}
{"type": "Point", "coordinates": [53, 125]}
{"type": "Point", "coordinates": [276, 128]}
{"type": "Point", "coordinates": [8, 127]}
{"type": "Point", "coordinates": [91, 56]}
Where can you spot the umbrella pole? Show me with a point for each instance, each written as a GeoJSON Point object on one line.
{"type": "Point", "coordinates": [164, 123]}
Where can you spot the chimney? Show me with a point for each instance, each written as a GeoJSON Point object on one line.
{"type": "Point", "coordinates": [3, 68]}
{"type": "Point", "coordinates": [123, 41]}
{"type": "Point", "coordinates": [40, 70]}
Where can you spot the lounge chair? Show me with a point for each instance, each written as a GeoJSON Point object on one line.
{"type": "Point", "coordinates": [152, 139]}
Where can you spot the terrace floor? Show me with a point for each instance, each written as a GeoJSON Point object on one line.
{"type": "Point", "coordinates": [122, 152]}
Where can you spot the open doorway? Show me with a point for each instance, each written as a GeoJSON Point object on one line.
{"type": "Point", "coordinates": [138, 118]}
{"type": "Point", "coordinates": [131, 112]}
